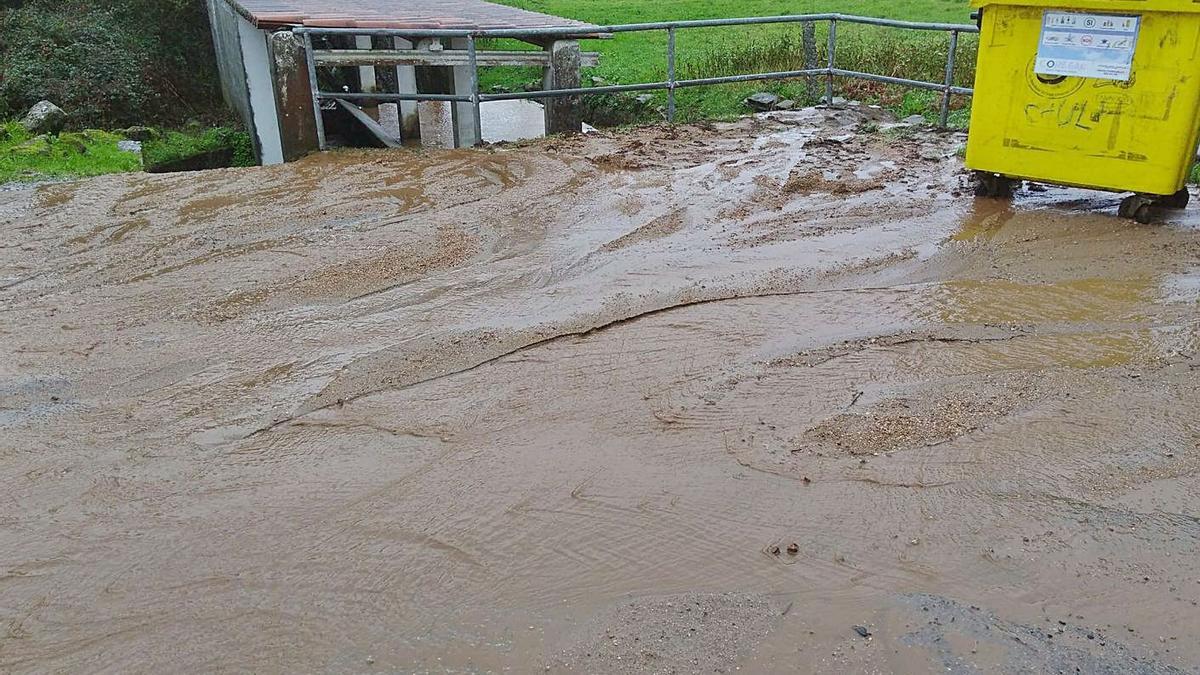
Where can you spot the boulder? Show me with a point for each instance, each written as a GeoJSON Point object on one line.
{"type": "Point", "coordinates": [44, 118]}
{"type": "Point", "coordinates": [913, 120]}
{"type": "Point", "coordinates": [763, 100]}
{"type": "Point", "coordinates": [786, 104]}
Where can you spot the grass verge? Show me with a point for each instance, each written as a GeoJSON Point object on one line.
{"type": "Point", "coordinates": [92, 152]}
{"type": "Point", "coordinates": [709, 52]}
{"type": "Point", "coordinates": [173, 147]}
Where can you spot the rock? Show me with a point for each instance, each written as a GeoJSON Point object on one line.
{"type": "Point", "coordinates": [598, 81]}
{"type": "Point", "coordinates": [838, 101]}
{"type": "Point", "coordinates": [843, 138]}
{"type": "Point", "coordinates": [913, 120]}
{"type": "Point", "coordinates": [862, 631]}
{"type": "Point", "coordinates": [139, 133]}
{"type": "Point", "coordinates": [786, 104]}
{"type": "Point", "coordinates": [44, 118]}
{"type": "Point", "coordinates": [130, 146]}
{"type": "Point", "coordinates": [929, 154]}
{"type": "Point", "coordinates": [763, 100]}
{"type": "Point", "coordinates": [644, 99]}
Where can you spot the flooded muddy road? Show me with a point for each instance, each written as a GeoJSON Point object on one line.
{"type": "Point", "coordinates": [665, 401]}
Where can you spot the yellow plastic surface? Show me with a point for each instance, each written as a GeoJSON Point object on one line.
{"type": "Point", "coordinates": [1135, 136]}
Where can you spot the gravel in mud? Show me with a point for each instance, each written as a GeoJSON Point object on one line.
{"type": "Point", "coordinates": [522, 408]}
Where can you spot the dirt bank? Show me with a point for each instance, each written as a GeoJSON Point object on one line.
{"type": "Point", "coordinates": [669, 400]}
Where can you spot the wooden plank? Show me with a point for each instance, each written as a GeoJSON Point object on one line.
{"type": "Point", "coordinates": [445, 57]}
{"type": "Point", "coordinates": [371, 125]}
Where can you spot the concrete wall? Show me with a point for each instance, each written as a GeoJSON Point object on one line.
{"type": "Point", "coordinates": [244, 63]}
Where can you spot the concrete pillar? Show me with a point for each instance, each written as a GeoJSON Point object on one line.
{"type": "Point", "coordinates": [366, 74]}
{"type": "Point", "coordinates": [564, 115]}
{"type": "Point", "coordinates": [435, 116]}
{"type": "Point", "coordinates": [445, 80]}
{"type": "Point", "coordinates": [366, 78]}
{"type": "Point", "coordinates": [464, 113]}
{"type": "Point", "coordinates": [406, 81]}
{"type": "Point", "coordinates": [293, 96]}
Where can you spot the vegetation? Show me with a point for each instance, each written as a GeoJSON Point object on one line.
{"type": "Point", "coordinates": [174, 146]}
{"type": "Point", "coordinates": [709, 52]}
{"type": "Point", "coordinates": [92, 152]}
{"type": "Point", "coordinates": [85, 153]}
{"type": "Point", "coordinates": [109, 63]}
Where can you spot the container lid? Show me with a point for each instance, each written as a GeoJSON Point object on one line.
{"type": "Point", "coordinates": [1102, 6]}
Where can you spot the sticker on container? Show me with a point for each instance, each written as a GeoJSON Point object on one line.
{"type": "Point", "coordinates": [1087, 45]}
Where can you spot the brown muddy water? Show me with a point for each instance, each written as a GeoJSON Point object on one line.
{"type": "Point", "coordinates": [666, 401]}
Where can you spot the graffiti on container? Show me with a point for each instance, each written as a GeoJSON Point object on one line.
{"type": "Point", "coordinates": [1079, 114]}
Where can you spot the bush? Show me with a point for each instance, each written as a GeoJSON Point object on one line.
{"type": "Point", "coordinates": [110, 62]}
{"type": "Point", "coordinates": [86, 61]}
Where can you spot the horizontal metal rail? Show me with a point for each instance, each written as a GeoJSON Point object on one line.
{"type": "Point", "coordinates": [584, 31]}
{"type": "Point", "coordinates": [327, 58]}
{"type": "Point", "coordinates": [476, 59]}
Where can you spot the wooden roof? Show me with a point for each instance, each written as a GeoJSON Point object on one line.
{"type": "Point", "coordinates": [412, 14]}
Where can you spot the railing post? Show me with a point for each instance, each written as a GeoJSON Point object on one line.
{"type": "Point", "coordinates": [671, 75]}
{"type": "Point", "coordinates": [944, 119]}
{"type": "Point", "coordinates": [316, 99]}
{"type": "Point", "coordinates": [808, 32]}
{"type": "Point", "coordinates": [831, 47]}
{"type": "Point", "coordinates": [473, 67]}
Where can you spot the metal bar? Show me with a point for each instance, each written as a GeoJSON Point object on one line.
{"type": "Point", "coordinates": [593, 31]}
{"type": "Point", "coordinates": [318, 116]}
{"type": "Point", "coordinates": [579, 91]}
{"type": "Point", "coordinates": [670, 76]}
{"type": "Point", "coordinates": [781, 75]}
{"type": "Point", "coordinates": [382, 96]}
{"type": "Point", "coordinates": [371, 125]}
{"type": "Point", "coordinates": [336, 58]}
{"type": "Point", "coordinates": [831, 47]}
{"type": "Point", "coordinates": [944, 118]}
{"type": "Point", "coordinates": [916, 84]}
{"type": "Point", "coordinates": [473, 67]}
{"type": "Point", "coordinates": [753, 77]}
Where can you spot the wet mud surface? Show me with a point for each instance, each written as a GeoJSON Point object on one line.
{"type": "Point", "coordinates": [683, 400]}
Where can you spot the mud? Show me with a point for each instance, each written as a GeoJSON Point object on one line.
{"type": "Point", "coordinates": [669, 400]}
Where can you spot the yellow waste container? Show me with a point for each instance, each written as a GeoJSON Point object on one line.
{"type": "Point", "coordinates": [1091, 93]}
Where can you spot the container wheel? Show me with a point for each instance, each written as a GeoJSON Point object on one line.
{"type": "Point", "coordinates": [1143, 214]}
{"type": "Point", "coordinates": [993, 185]}
{"type": "Point", "coordinates": [1179, 200]}
{"type": "Point", "coordinates": [1137, 207]}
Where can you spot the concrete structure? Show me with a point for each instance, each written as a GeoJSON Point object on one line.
{"type": "Point", "coordinates": [265, 78]}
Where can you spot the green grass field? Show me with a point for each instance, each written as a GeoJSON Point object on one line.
{"type": "Point", "coordinates": [641, 57]}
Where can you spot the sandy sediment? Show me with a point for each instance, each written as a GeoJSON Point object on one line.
{"type": "Point", "coordinates": [669, 400]}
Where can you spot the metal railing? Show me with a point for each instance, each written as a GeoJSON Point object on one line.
{"type": "Point", "coordinates": [830, 70]}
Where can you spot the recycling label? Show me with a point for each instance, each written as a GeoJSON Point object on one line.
{"type": "Point", "coordinates": [1087, 45]}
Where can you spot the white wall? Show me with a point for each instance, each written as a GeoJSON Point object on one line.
{"type": "Point", "coordinates": [265, 117]}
